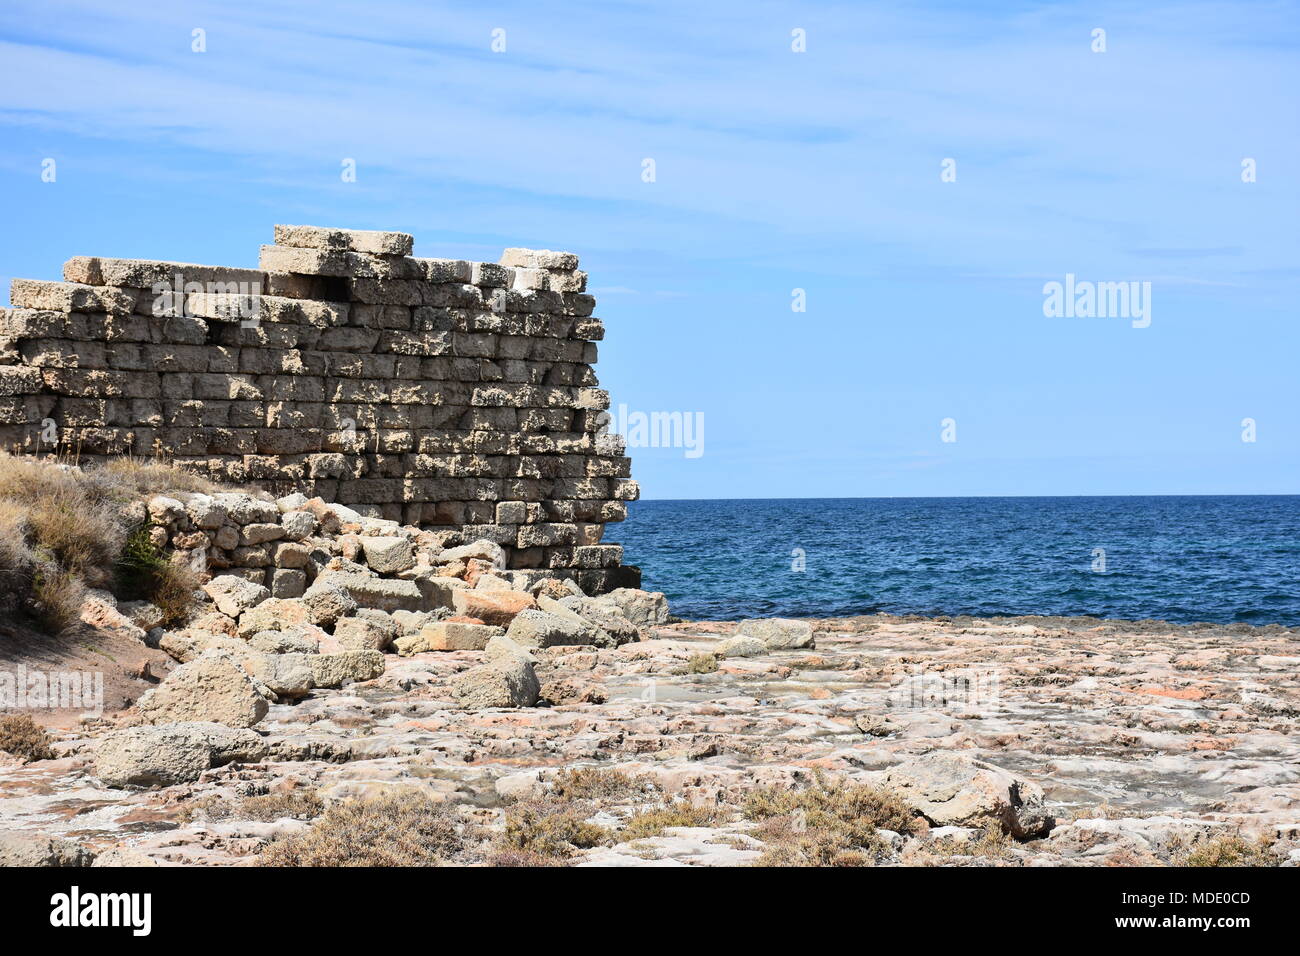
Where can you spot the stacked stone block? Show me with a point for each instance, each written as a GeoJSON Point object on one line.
{"type": "Point", "coordinates": [439, 393]}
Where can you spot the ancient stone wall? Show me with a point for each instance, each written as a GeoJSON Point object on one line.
{"type": "Point", "coordinates": [436, 392]}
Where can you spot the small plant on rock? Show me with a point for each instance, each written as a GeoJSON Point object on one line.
{"type": "Point", "coordinates": [702, 664]}
{"type": "Point", "coordinates": [24, 738]}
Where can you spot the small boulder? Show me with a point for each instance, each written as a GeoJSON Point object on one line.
{"type": "Point", "coordinates": [491, 607]}
{"type": "Point", "coordinates": [388, 555]}
{"type": "Point", "coordinates": [605, 616]}
{"type": "Point", "coordinates": [285, 675]}
{"type": "Point", "coordinates": [234, 595]}
{"type": "Point", "coordinates": [503, 646]}
{"type": "Point", "coordinates": [212, 688]}
{"type": "Point", "coordinates": [778, 633]}
{"type": "Point", "coordinates": [642, 608]}
{"type": "Point", "coordinates": [327, 601]}
{"type": "Point", "coordinates": [334, 670]}
{"type": "Point", "coordinates": [458, 635]}
{"type": "Point", "coordinates": [359, 634]}
{"type": "Point", "coordinates": [950, 790]}
{"type": "Point", "coordinates": [741, 645]}
{"type": "Point", "coordinates": [486, 550]}
{"type": "Point", "coordinates": [508, 681]}
{"type": "Point", "coordinates": [534, 628]}
{"type": "Point", "coordinates": [169, 754]}
{"type": "Point", "coordinates": [22, 848]}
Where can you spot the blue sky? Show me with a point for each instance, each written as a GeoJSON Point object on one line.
{"type": "Point", "coordinates": [775, 170]}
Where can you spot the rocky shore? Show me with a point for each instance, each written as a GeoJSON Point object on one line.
{"type": "Point", "coordinates": [346, 674]}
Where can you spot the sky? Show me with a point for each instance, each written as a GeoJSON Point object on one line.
{"type": "Point", "coordinates": [915, 175]}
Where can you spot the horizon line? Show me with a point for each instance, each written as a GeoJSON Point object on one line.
{"type": "Point", "coordinates": [1248, 494]}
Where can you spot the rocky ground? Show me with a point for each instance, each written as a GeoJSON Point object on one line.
{"type": "Point", "coordinates": [551, 728]}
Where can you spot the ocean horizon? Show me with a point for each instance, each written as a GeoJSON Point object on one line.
{"type": "Point", "coordinates": [1219, 559]}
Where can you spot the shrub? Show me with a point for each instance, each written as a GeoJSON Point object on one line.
{"type": "Point", "coordinates": [290, 804]}
{"type": "Point", "coordinates": [701, 664]}
{"type": "Point", "coordinates": [826, 824]}
{"type": "Point", "coordinates": [1227, 850]}
{"type": "Point", "coordinates": [393, 829]}
{"type": "Point", "coordinates": [63, 529]}
{"type": "Point", "coordinates": [24, 738]}
{"type": "Point", "coordinates": [598, 783]}
{"type": "Point", "coordinates": [143, 572]}
{"type": "Point", "coordinates": [678, 813]}
{"type": "Point", "coordinates": [551, 828]}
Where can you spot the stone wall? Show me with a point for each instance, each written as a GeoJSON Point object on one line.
{"type": "Point", "coordinates": [439, 393]}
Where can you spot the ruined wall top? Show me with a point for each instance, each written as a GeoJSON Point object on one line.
{"type": "Point", "coordinates": [443, 393]}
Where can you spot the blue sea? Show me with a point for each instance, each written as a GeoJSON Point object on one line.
{"type": "Point", "coordinates": [1220, 559]}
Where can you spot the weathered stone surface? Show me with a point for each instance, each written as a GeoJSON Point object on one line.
{"type": "Point", "coordinates": [383, 594]}
{"type": "Point", "coordinates": [358, 634]}
{"type": "Point", "coordinates": [387, 555]}
{"type": "Point", "coordinates": [642, 608]}
{"type": "Point", "coordinates": [36, 849]}
{"type": "Point", "coordinates": [503, 682]}
{"type": "Point", "coordinates": [606, 616]}
{"type": "Point", "coordinates": [354, 240]}
{"type": "Point", "coordinates": [778, 633]}
{"type": "Point", "coordinates": [740, 646]}
{"type": "Point", "coordinates": [235, 595]}
{"type": "Point", "coordinates": [949, 790]}
{"type": "Point", "coordinates": [285, 674]}
{"type": "Point", "coordinates": [169, 754]}
{"type": "Point", "coordinates": [334, 670]}
{"type": "Point", "coordinates": [491, 607]}
{"type": "Point", "coordinates": [326, 601]}
{"type": "Point", "coordinates": [458, 635]}
{"type": "Point", "coordinates": [212, 688]}
{"type": "Point", "coordinates": [536, 628]}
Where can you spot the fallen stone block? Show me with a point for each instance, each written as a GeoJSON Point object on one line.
{"type": "Point", "coordinates": [334, 670]}
{"type": "Point", "coordinates": [212, 688]}
{"type": "Point", "coordinates": [949, 790]}
{"type": "Point", "coordinates": [504, 682]}
{"type": "Point", "coordinates": [235, 595]}
{"type": "Point", "coordinates": [169, 754]}
{"type": "Point", "coordinates": [21, 848]}
{"type": "Point", "coordinates": [536, 628]}
{"type": "Point", "coordinates": [386, 555]}
{"type": "Point", "coordinates": [778, 633]}
{"type": "Point", "coordinates": [642, 608]}
{"type": "Point", "coordinates": [458, 635]}
{"type": "Point", "coordinates": [491, 607]}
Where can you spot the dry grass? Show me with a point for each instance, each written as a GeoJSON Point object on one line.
{"type": "Point", "coordinates": [678, 813]}
{"type": "Point", "coordinates": [63, 530]}
{"type": "Point", "coordinates": [142, 572]}
{"type": "Point", "coordinates": [24, 738]}
{"type": "Point", "coordinates": [394, 829]}
{"type": "Point", "coordinates": [826, 824]}
{"type": "Point", "coordinates": [701, 664]}
{"type": "Point", "coordinates": [266, 808]}
{"type": "Point", "coordinates": [991, 844]}
{"type": "Point", "coordinates": [1227, 850]}
{"type": "Point", "coordinates": [598, 783]}
{"type": "Point", "coordinates": [550, 828]}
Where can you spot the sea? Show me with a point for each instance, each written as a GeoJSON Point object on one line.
{"type": "Point", "coordinates": [1185, 559]}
